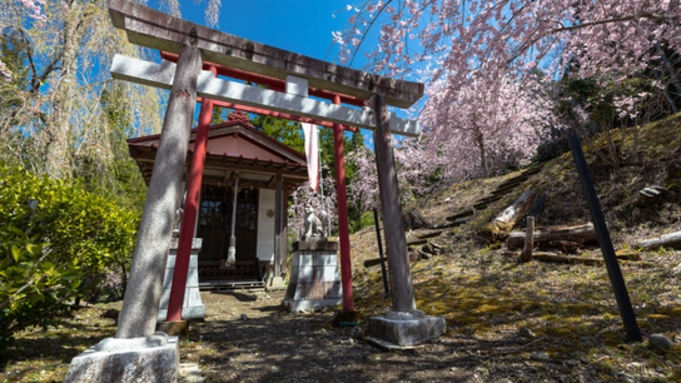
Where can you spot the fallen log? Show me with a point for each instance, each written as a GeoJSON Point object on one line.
{"type": "Point", "coordinates": [579, 233]}
{"type": "Point", "coordinates": [536, 209]}
{"type": "Point", "coordinates": [509, 218]}
{"type": "Point", "coordinates": [672, 240]}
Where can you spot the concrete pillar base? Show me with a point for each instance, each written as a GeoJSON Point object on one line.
{"type": "Point", "coordinates": [153, 359]}
{"type": "Point", "coordinates": [402, 330]}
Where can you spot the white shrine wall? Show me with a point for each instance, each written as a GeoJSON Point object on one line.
{"type": "Point", "coordinates": [265, 247]}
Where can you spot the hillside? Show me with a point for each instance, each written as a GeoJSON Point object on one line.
{"type": "Point", "coordinates": [487, 298]}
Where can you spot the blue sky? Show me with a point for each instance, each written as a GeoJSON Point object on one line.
{"type": "Point", "coordinates": [300, 26]}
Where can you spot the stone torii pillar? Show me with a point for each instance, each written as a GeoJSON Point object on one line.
{"type": "Point", "coordinates": [137, 353]}
{"type": "Point", "coordinates": [404, 325]}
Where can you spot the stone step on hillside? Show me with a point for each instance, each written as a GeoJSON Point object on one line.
{"type": "Point", "coordinates": [417, 242]}
{"type": "Point", "coordinates": [510, 183]}
{"type": "Point", "coordinates": [522, 177]}
{"type": "Point", "coordinates": [463, 214]}
{"type": "Point", "coordinates": [447, 225]}
{"type": "Point", "coordinates": [533, 170]}
{"type": "Point", "coordinates": [483, 203]}
{"type": "Point", "coordinates": [500, 191]}
{"type": "Point", "coordinates": [429, 235]}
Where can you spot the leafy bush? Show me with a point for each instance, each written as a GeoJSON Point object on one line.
{"type": "Point", "coordinates": [57, 250]}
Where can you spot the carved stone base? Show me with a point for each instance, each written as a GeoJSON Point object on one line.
{"type": "Point", "coordinates": [192, 307]}
{"type": "Point", "coordinates": [403, 330]}
{"type": "Point", "coordinates": [315, 280]}
{"type": "Point", "coordinates": [152, 359]}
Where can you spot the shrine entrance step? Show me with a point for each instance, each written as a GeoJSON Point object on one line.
{"type": "Point", "coordinates": [220, 285]}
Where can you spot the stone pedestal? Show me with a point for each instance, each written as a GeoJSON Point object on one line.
{"type": "Point", "coordinates": [314, 278]}
{"type": "Point", "coordinates": [152, 359]}
{"type": "Point", "coordinates": [192, 308]}
{"type": "Point", "coordinates": [401, 330]}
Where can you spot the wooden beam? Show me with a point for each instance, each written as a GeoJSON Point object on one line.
{"type": "Point", "coordinates": [153, 29]}
{"type": "Point", "coordinates": [161, 75]}
{"type": "Point", "coordinates": [149, 158]}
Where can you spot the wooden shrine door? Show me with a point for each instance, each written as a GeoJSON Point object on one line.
{"type": "Point", "coordinates": [215, 223]}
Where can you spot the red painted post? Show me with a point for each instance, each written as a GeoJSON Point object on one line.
{"type": "Point", "coordinates": [194, 180]}
{"type": "Point", "coordinates": [343, 233]}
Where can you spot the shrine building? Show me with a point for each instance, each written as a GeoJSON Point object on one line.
{"type": "Point", "coordinates": [262, 164]}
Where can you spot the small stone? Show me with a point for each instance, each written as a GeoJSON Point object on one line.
{"type": "Point", "coordinates": [526, 333]}
{"type": "Point", "coordinates": [244, 317]}
{"type": "Point", "coordinates": [624, 377]}
{"type": "Point", "coordinates": [357, 332]}
{"type": "Point", "coordinates": [540, 356]}
{"type": "Point", "coordinates": [659, 341]}
{"type": "Point", "coordinates": [573, 362]}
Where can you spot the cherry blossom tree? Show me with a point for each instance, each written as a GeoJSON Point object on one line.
{"type": "Point", "coordinates": [417, 174]}
{"type": "Point", "coordinates": [488, 65]}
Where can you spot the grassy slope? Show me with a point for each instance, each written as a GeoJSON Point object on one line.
{"type": "Point", "coordinates": [486, 295]}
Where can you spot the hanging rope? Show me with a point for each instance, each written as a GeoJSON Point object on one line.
{"type": "Point", "coordinates": [231, 253]}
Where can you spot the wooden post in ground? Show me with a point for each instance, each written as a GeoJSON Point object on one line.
{"type": "Point", "coordinates": [145, 284]}
{"type": "Point", "coordinates": [526, 254]}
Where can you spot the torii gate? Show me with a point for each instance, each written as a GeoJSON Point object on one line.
{"type": "Point", "coordinates": [300, 76]}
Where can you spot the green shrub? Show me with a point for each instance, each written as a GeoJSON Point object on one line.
{"type": "Point", "coordinates": [57, 251]}
{"type": "Point", "coordinates": [367, 219]}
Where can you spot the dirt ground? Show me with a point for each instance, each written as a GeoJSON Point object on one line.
{"type": "Point", "coordinates": [271, 345]}
{"type": "Point", "coordinates": [507, 322]}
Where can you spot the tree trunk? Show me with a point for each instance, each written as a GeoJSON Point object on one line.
{"type": "Point", "coordinates": [483, 156]}
{"type": "Point", "coordinates": [672, 240]}
{"type": "Point", "coordinates": [58, 151]}
{"type": "Point", "coordinates": [504, 222]}
{"type": "Point", "coordinates": [579, 233]}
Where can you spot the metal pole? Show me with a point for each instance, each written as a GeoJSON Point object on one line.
{"type": "Point", "coordinates": [614, 272]}
{"type": "Point", "coordinates": [380, 253]}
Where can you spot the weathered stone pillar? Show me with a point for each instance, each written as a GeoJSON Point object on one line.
{"type": "Point", "coordinates": [136, 353]}
{"type": "Point", "coordinates": [401, 288]}
{"type": "Point", "coordinates": [145, 284]}
{"type": "Point", "coordinates": [404, 325]}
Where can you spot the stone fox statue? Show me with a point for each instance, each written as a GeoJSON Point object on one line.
{"type": "Point", "coordinates": [314, 229]}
